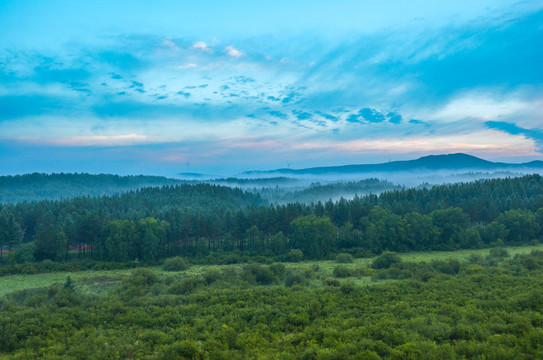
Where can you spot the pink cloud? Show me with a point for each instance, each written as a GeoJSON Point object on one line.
{"type": "Point", "coordinates": [111, 140]}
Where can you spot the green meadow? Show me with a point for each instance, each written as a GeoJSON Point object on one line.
{"type": "Point", "coordinates": [99, 282]}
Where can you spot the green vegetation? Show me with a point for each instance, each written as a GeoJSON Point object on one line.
{"type": "Point", "coordinates": [209, 272]}
{"type": "Point", "coordinates": [175, 264]}
{"type": "Point", "coordinates": [487, 305]}
{"type": "Point", "coordinates": [224, 225]}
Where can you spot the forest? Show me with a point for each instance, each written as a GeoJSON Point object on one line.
{"type": "Point", "coordinates": [224, 224]}
{"type": "Point", "coordinates": [205, 271]}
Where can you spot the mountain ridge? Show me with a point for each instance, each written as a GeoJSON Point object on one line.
{"type": "Point", "coordinates": [457, 161]}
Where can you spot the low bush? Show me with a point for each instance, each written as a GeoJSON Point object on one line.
{"type": "Point", "coordinates": [341, 271]}
{"type": "Point", "coordinates": [175, 264]}
{"type": "Point", "coordinates": [294, 278]}
{"type": "Point", "coordinates": [386, 260]}
{"type": "Point", "coordinates": [344, 258]}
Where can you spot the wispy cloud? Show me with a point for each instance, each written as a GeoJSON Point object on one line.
{"type": "Point", "coordinates": [112, 140]}
{"type": "Point", "coordinates": [513, 129]}
{"type": "Point", "coordinates": [187, 66]}
{"type": "Point", "coordinates": [202, 46]}
{"type": "Point", "coordinates": [232, 51]}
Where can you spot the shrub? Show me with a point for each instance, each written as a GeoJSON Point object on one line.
{"type": "Point", "coordinates": [347, 287]}
{"type": "Point", "coordinates": [309, 273]}
{"type": "Point", "coordinates": [28, 269]}
{"type": "Point", "coordinates": [498, 253]}
{"type": "Point", "coordinates": [211, 276]}
{"type": "Point", "coordinates": [278, 269]}
{"type": "Point", "coordinates": [184, 286]}
{"type": "Point", "coordinates": [476, 259]}
{"type": "Point", "coordinates": [142, 277]}
{"type": "Point", "coordinates": [262, 274]}
{"type": "Point", "coordinates": [24, 254]}
{"type": "Point", "coordinates": [386, 260]}
{"type": "Point", "coordinates": [341, 271]}
{"type": "Point", "coordinates": [185, 349]}
{"type": "Point", "coordinates": [450, 267]}
{"type": "Point", "coordinates": [344, 258]}
{"type": "Point", "coordinates": [294, 278]}
{"type": "Point", "coordinates": [175, 264]}
{"type": "Point", "coordinates": [331, 282]}
{"type": "Point", "coordinates": [295, 255]}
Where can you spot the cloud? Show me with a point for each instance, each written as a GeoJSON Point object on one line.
{"type": "Point", "coordinates": [394, 118]}
{"type": "Point", "coordinates": [202, 46]}
{"type": "Point", "coordinates": [417, 122]}
{"type": "Point", "coordinates": [187, 66]}
{"type": "Point", "coordinates": [368, 115]}
{"type": "Point", "coordinates": [513, 129]}
{"type": "Point", "coordinates": [302, 115]}
{"type": "Point", "coordinates": [327, 116]}
{"type": "Point", "coordinates": [278, 114]}
{"type": "Point", "coordinates": [183, 93]}
{"type": "Point", "coordinates": [169, 44]}
{"type": "Point", "coordinates": [232, 51]}
{"type": "Point", "coordinates": [111, 140]}
{"type": "Point", "coordinates": [372, 115]}
{"type": "Point", "coordinates": [13, 107]}
{"type": "Point", "coordinates": [484, 105]}
{"type": "Point", "coordinates": [481, 142]}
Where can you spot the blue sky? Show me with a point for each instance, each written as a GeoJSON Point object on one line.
{"type": "Point", "coordinates": [145, 87]}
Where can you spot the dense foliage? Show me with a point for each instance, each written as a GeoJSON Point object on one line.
{"type": "Point", "coordinates": [208, 220]}
{"type": "Point", "coordinates": [487, 308]}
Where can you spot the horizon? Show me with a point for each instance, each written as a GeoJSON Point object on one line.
{"type": "Point", "coordinates": [129, 88]}
{"type": "Point", "coordinates": [279, 172]}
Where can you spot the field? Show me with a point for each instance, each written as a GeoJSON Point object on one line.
{"type": "Point", "coordinates": [438, 305]}
{"type": "Point", "coordinates": [101, 282]}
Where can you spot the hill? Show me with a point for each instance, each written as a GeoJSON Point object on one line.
{"type": "Point", "coordinates": [37, 186]}
{"type": "Point", "coordinates": [451, 162]}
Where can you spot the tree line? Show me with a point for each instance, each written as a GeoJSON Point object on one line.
{"type": "Point", "coordinates": [198, 220]}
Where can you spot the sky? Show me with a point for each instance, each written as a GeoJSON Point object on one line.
{"type": "Point", "coordinates": [220, 87]}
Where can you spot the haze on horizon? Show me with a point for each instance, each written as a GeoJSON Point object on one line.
{"type": "Point", "coordinates": [132, 87]}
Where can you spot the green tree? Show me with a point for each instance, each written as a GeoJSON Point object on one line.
{"type": "Point", "coordinates": [348, 237]}
{"type": "Point", "coordinates": [11, 233]}
{"type": "Point", "coordinates": [254, 239]}
{"type": "Point", "coordinates": [61, 246]}
{"type": "Point", "coordinates": [452, 223]}
{"type": "Point", "coordinates": [46, 244]}
{"type": "Point", "coordinates": [521, 225]}
{"type": "Point", "coordinates": [120, 235]}
{"type": "Point", "coordinates": [314, 236]}
{"type": "Point", "coordinates": [278, 243]}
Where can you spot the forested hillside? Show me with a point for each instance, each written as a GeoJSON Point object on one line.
{"type": "Point", "coordinates": [206, 220]}
{"type": "Point", "coordinates": [35, 187]}
{"type": "Point", "coordinates": [317, 191]}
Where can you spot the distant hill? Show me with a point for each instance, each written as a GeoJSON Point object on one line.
{"type": "Point", "coordinates": [453, 162]}
{"type": "Point", "coordinates": [37, 186]}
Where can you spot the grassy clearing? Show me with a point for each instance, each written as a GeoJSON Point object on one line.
{"type": "Point", "coordinates": [463, 255]}
{"type": "Point", "coordinates": [90, 282]}
{"type": "Point", "coordinates": [103, 281]}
